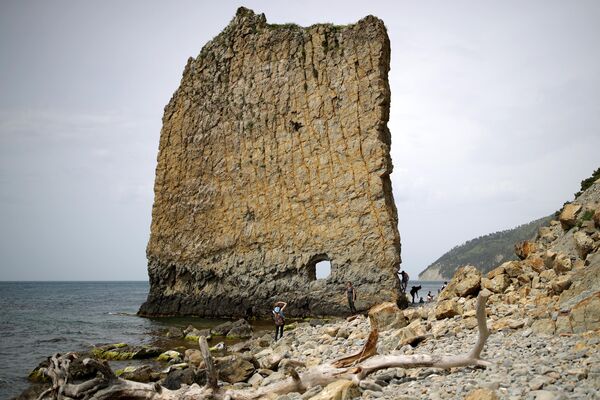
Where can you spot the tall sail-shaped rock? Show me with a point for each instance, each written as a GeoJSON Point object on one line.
{"type": "Point", "coordinates": [274, 155]}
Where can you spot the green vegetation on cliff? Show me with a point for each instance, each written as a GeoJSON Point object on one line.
{"type": "Point", "coordinates": [484, 252]}
{"type": "Point", "coordinates": [586, 183]}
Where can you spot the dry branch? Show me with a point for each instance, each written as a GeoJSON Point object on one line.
{"type": "Point", "coordinates": [355, 368]}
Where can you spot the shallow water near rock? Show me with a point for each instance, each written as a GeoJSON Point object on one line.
{"type": "Point", "coordinates": [39, 319]}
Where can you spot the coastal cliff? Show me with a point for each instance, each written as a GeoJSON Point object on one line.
{"type": "Point", "coordinates": [274, 155]}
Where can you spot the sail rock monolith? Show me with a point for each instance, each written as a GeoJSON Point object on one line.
{"type": "Point", "coordinates": [274, 155]}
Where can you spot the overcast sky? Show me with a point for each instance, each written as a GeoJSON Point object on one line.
{"type": "Point", "coordinates": [495, 119]}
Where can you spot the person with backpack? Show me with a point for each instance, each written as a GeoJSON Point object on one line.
{"type": "Point", "coordinates": [279, 318]}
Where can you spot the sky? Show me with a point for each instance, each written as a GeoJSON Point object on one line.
{"type": "Point", "coordinates": [495, 119]}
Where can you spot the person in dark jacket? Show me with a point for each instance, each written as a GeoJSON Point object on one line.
{"type": "Point", "coordinates": [351, 294]}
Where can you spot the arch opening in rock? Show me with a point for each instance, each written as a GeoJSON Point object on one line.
{"type": "Point", "coordinates": [319, 267]}
{"type": "Point", "coordinates": [323, 269]}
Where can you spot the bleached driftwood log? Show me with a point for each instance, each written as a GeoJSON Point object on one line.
{"type": "Point", "coordinates": [356, 368]}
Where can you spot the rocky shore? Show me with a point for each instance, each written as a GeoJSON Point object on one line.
{"type": "Point", "coordinates": [526, 362]}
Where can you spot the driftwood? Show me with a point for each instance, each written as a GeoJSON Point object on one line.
{"type": "Point", "coordinates": [355, 368]}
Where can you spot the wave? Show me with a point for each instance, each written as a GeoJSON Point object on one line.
{"type": "Point", "coordinates": [51, 340]}
{"type": "Point", "coordinates": [125, 314]}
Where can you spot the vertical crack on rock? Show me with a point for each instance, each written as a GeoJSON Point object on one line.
{"type": "Point", "coordinates": [273, 156]}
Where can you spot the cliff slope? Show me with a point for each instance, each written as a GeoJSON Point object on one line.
{"type": "Point", "coordinates": [554, 287]}
{"type": "Point", "coordinates": [274, 155]}
{"type": "Point", "coordinates": [484, 252]}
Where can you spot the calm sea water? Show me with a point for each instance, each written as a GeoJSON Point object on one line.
{"type": "Point", "coordinates": [38, 319]}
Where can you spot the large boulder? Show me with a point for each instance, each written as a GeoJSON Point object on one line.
{"type": "Point", "coordinates": [410, 334]}
{"type": "Point", "coordinates": [583, 243]}
{"type": "Point", "coordinates": [524, 249]}
{"type": "Point", "coordinates": [568, 215]}
{"type": "Point", "coordinates": [194, 357]}
{"type": "Point", "coordinates": [177, 377]}
{"type": "Point", "coordinates": [497, 284]}
{"type": "Point", "coordinates": [241, 329]}
{"type": "Point", "coordinates": [140, 373]}
{"type": "Point", "coordinates": [222, 329]}
{"type": "Point", "coordinates": [580, 303]}
{"type": "Point", "coordinates": [465, 282]}
{"type": "Point", "coordinates": [194, 334]}
{"type": "Point", "coordinates": [513, 268]}
{"type": "Point", "coordinates": [386, 316]}
{"type": "Point", "coordinates": [234, 368]}
{"type": "Point", "coordinates": [447, 309]}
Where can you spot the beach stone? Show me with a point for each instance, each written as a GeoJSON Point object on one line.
{"type": "Point", "coordinates": [245, 129]}
{"type": "Point", "coordinates": [194, 334]}
{"type": "Point", "coordinates": [507, 323]}
{"type": "Point", "coordinates": [234, 368]}
{"type": "Point", "coordinates": [176, 377]}
{"type": "Point", "coordinates": [410, 334]}
{"type": "Point", "coordinates": [482, 394]}
{"type": "Point", "coordinates": [222, 329]}
{"type": "Point", "coordinates": [241, 329]}
{"type": "Point", "coordinates": [141, 373]}
{"type": "Point", "coordinates": [386, 316]}
{"type": "Point", "coordinates": [194, 357]}
{"type": "Point", "coordinates": [447, 309]}
{"type": "Point", "coordinates": [255, 380]}
{"type": "Point", "coordinates": [271, 361]}
{"type": "Point", "coordinates": [174, 332]}
{"type": "Point", "coordinates": [338, 390]}
{"type": "Point", "coordinates": [546, 395]}
{"type": "Point", "coordinates": [169, 355]}
{"type": "Point", "coordinates": [272, 377]}
{"type": "Point", "coordinates": [313, 391]}
{"type": "Point", "coordinates": [331, 330]}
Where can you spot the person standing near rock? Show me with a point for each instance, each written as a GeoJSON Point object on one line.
{"type": "Point", "coordinates": [279, 318]}
{"type": "Point", "coordinates": [404, 281]}
{"type": "Point", "coordinates": [351, 294]}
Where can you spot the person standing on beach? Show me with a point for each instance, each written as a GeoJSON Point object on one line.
{"type": "Point", "coordinates": [279, 318]}
{"type": "Point", "coordinates": [351, 294]}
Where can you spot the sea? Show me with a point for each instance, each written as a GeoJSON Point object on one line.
{"type": "Point", "coordinates": [38, 319]}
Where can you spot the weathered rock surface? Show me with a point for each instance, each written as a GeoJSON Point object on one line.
{"type": "Point", "coordinates": [387, 316]}
{"type": "Point", "coordinates": [465, 282]}
{"type": "Point", "coordinates": [568, 215]}
{"type": "Point", "coordinates": [274, 155]}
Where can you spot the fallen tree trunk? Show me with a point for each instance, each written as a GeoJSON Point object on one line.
{"type": "Point", "coordinates": [355, 368]}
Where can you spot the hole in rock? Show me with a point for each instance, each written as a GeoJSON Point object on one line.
{"type": "Point", "coordinates": [319, 267]}
{"type": "Point", "coordinates": [323, 269]}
